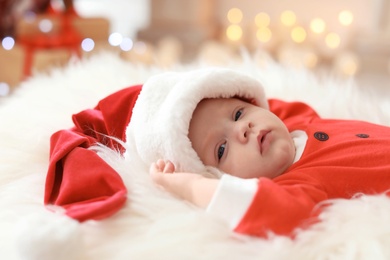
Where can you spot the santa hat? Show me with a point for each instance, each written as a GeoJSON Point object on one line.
{"type": "Point", "coordinates": [161, 116]}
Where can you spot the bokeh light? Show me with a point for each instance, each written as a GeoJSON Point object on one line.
{"type": "Point", "coordinates": [298, 34]}
{"type": "Point", "coordinates": [4, 89]}
{"type": "Point", "coordinates": [234, 15]}
{"type": "Point", "coordinates": [8, 43]}
{"type": "Point", "coordinates": [234, 32]}
{"type": "Point", "coordinates": [263, 34]}
{"type": "Point", "coordinates": [347, 63]}
{"type": "Point", "coordinates": [262, 20]}
{"type": "Point", "coordinates": [126, 44]}
{"type": "Point", "coordinates": [332, 40]}
{"type": "Point", "coordinates": [115, 39]}
{"type": "Point", "coordinates": [45, 25]}
{"type": "Point", "coordinates": [317, 25]}
{"type": "Point", "coordinates": [288, 18]}
{"type": "Point", "coordinates": [345, 17]}
{"type": "Point", "coordinates": [87, 44]}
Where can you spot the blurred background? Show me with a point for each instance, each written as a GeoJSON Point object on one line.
{"type": "Point", "coordinates": [348, 38]}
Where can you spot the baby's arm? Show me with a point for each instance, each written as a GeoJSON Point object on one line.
{"type": "Point", "coordinates": [228, 198]}
{"type": "Point", "coordinates": [189, 186]}
{"type": "Point", "coordinates": [249, 206]}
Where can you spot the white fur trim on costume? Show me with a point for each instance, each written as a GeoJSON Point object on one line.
{"type": "Point", "coordinates": [163, 111]}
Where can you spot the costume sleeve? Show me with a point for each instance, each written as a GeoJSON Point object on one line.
{"type": "Point", "coordinates": [232, 198]}
{"type": "Point", "coordinates": [78, 179]}
{"type": "Point", "coordinates": [281, 207]}
{"type": "Point", "coordinates": [258, 206]}
{"type": "Point", "coordinates": [296, 115]}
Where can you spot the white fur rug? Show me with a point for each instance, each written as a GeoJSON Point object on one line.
{"type": "Point", "coordinates": [153, 224]}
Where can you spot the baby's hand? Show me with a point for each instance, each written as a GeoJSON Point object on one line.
{"type": "Point", "coordinates": [189, 186]}
{"type": "Point", "coordinates": [162, 166]}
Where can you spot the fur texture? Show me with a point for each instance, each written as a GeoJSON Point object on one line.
{"type": "Point", "coordinates": [153, 224]}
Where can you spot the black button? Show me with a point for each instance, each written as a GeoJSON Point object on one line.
{"type": "Point", "coordinates": [362, 135]}
{"type": "Point", "coordinates": [321, 136]}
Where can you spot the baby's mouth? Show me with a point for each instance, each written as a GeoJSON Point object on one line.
{"type": "Point", "coordinates": [264, 140]}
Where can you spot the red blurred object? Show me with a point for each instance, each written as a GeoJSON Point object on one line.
{"type": "Point", "coordinates": [12, 10]}
{"type": "Point", "coordinates": [66, 37]}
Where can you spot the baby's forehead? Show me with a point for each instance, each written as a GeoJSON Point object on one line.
{"type": "Point", "coordinates": [223, 100]}
{"type": "Point", "coordinates": [210, 107]}
{"type": "Point", "coordinates": [213, 103]}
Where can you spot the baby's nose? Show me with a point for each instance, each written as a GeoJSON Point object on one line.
{"type": "Point", "coordinates": [242, 131]}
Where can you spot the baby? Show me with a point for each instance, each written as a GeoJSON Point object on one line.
{"type": "Point", "coordinates": [216, 141]}
{"type": "Point", "coordinates": [236, 137]}
{"type": "Point", "coordinates": [278, 168]}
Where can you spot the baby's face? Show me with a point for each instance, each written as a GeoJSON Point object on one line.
{"type": "Point", "coordinates": [240, 139]}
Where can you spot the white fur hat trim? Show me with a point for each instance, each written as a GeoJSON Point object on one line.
{"type": "Point", "coordinates": [163, 111]}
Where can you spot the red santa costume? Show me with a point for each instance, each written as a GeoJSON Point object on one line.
{"type": "Point", "coordinates": [335, 159]}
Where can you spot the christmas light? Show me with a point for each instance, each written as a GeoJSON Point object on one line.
{"type": "Point", "coordinates": [126, 44]}
{"type": "Point", "coordinates": [87, 44]}
{"type": "Point", "coordinates": [264, 34]}
{"type": "Point", "coordinates": [115, 39]}
{"type": "Point", "coordinates": [234, 32]}
{"type": "Point", "coordinates": [45, 25]}
{"type": "Point", "coordinates": [4, 89]}
{"type": "Point", "coordinates": [317, 25]}
{"type": "Point", "coordinates": [8, 43]}
{"type": "Point", "coordinates": [298, 34]}
{"type": "Point", "coordinates": [347, 63]}
{"type": "Point", "coordinates": [332, 40]}
{"type": "Point", "coordinates": [234, 15]}
{"type": "Point", "coordinates": [288, 18]}
{"type": "Point", "coordinates": [345, 17]}
{"type": "Point", "coordinates": [262, 20]}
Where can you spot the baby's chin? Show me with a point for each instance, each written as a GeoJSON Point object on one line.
{"type": "Point", "coordinates": [287, 157]}
{"type": "Point", "coordinates": [283, 166]}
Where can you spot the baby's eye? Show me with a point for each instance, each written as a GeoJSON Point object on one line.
{"type": "Point", "coordinates": [221, 150]}
{"type": "Point", "coordinates": [238, 114]}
